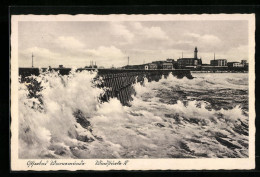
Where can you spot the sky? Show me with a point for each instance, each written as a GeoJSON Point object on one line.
{"type": "Point", "coordinates": [76, 43]}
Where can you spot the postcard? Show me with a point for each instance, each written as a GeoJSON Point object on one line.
{"type": "Point", "coordinates": [132, 92]}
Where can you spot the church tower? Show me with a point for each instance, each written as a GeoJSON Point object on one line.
{"type": "Point", "coordinates": [196, 53]}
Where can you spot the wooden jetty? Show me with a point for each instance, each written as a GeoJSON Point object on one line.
{"type": "Point", "coordinates": [119, 82]}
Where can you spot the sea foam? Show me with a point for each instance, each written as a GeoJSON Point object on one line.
{"type": "Point", "coordinates": [166, 119]}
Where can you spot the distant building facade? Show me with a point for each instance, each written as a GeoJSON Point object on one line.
{"type": "Point", "coordinates": [167, 66]}
{"type": "Point", "coordinates": [244, 62]}
{"type": "Point", "coordinates": [190, 62]}
{"type": "Point", "coordinates": [235, 64]}
{"type": "Point", "coordinates": [152, 66]}
{"type": "Point", "coordinates": [169, 60]}
{"type": "Point", "coordinates": [218, 62]}
{"type": "Point", "coordinates": [195, 64]}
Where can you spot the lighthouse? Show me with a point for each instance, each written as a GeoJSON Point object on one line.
{"type": "Point", "coordinates": [196, 53]}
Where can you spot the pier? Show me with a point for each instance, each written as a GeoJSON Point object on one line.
{"type": "Point", "coordinates": [119, 82]}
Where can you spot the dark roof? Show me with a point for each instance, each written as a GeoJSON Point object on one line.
{"type": "Point", "coordinates": [234, 62]}
{"type": "Point", "coordinates": [160, 61]}
{"type": "Point", "coordinates": [218, 59]}
{"type": "Point", "coordinates": [187, 58]}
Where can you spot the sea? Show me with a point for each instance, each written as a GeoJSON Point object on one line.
{"type": "Point", "coordinates": [62, 117]}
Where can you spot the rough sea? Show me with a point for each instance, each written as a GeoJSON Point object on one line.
{"type": "Point", "coordinates": [204, 117]}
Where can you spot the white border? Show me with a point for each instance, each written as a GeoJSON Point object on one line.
{"type": "Point", "coordinates": [135, 164]}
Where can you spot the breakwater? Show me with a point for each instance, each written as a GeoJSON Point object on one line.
{"type": "Point", "coordinates": [117, 81]}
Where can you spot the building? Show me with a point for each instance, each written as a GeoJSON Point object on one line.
{"type": "Point", "coordinates": [218, 62]}
{"type": "Point", "coordinates": [152, 66]}
{"type": "Point", "coordinates": [148, 66]}
{"type": "Point", "coordinates": [167, 65]}
{"type": "Point", "coordinates": [190, 62]}
{"type": "Point", "coordinates": [244, 62]}
{"type": "Point", "coordinates": [158, 63]}
{"type": "Point", "coordinates": [169, 60]}
{"type": "Point", "coordinates": [235, 64]}
{"type": "Point", "coordinates": [174, 63]}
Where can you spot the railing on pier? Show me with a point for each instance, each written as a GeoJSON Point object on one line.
{"type": "Point", "coordinates": [119, 82]}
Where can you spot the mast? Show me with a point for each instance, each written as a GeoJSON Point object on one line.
{"type": "Point", "coordinates": [32, 60]}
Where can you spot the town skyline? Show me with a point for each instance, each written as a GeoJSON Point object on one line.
{"type": "Point", "coordinates": [111, 43]}
{"type": "Point", "coordinates": [93, 63]}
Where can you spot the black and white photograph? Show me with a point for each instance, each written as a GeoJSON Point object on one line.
{"type": "Point", "coordinates": [133, 92]}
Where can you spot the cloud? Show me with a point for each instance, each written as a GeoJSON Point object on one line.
{"type": "Point", "coordinates": [104, 56]}
{"type": "Point", "coordinates": [209, 39]}
{"type": "Point", "coordinates": [121, 31]}
{"type": "Point", "coordinates": [194, 35]}
{"type": "Point", "coordinates": [68, 42]}
{"type": "Point", "coordinates": [205, 42]}
{"type": "Point", "coordinates": [237, 53]}
{"type": "Point", "coordinates": [103, 51]}
{"type": "Point", "coordinates": [204, 39]}
{"type": "Point", "coordinates": [75, 44]}
{"type": "Point", "coordinates": [42, 57]}
{"type": "Point", "coordinates": [153, 32]}
{"type": "Point", "coordinates": [40, 52]}
{"type": "Point", "coordinates": [107, 56]}
{"type": "Point", "coordinates": [137, 25]}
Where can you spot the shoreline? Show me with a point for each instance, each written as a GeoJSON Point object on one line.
{"type": "Point", "coordinates": [219, 71]}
